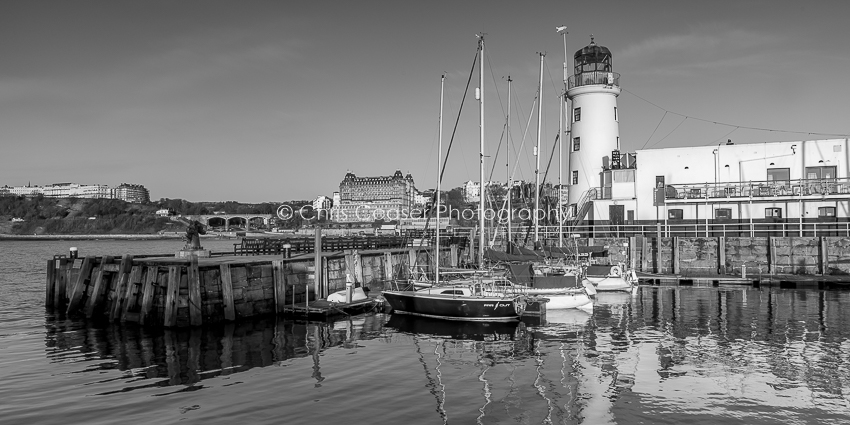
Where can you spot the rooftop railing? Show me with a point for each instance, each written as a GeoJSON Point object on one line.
{"type": "Point", "coordinates": [789, 189]}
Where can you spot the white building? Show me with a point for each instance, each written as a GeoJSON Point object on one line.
{"type": "Point", "coordinates": [74, 190]}
{"type": "Point", "coordinates": [772, 181]}
{"type": "Point", "coordinates": [322, 202]}
{"type": "Point", "coordinates": [129, 193]}
{"type": "Point", "coordinates": [420, 199]}
{"type": "Point", "coordinates": [472, 190]}
{"type": "Point", "coordinates": [26, 190]}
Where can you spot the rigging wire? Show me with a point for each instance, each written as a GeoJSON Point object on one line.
{"type": "Point", "coordinates": [653, 131]}
{"type": "Point", "coordinates": [671, 131]}
{"type": "Point", "coordinates": [737, 126]}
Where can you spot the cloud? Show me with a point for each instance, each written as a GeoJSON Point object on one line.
{"type": "Point", "coordinates": [708, 48]}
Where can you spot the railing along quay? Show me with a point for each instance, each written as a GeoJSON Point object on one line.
{"type": "Point", "coordinates": [303, 245]}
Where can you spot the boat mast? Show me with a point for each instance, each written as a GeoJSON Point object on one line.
{"type": "Point", "coordinates": [537, 156]}
{"type": "Point", "coordinates": [481, 150]}
{"type": "Point", "coordinates": [508, 166]}
{"type": "Point", "coordinates": [563, 31]}
{"type": "Point", "coordinates": [437, 202]}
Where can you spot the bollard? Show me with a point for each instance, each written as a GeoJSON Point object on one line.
{"type": "Point", "coordinates": [73, 253]}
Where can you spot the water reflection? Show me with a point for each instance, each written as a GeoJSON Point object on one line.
{"type": "Point", "coordinates": [660, 355]}
{"type": "Point", "coordinates": [160, 358]}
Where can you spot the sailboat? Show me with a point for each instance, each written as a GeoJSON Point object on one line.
{"type": "Point", "coordinates": [474, 298]}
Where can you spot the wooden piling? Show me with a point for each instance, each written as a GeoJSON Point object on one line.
{"type": "Point", "coordinates": [279, 285]}
{"type": "Point", "coordinates": [194, 281]}
{"type": "Point", "coordinates": [824, 255]}
{"type": "Point", "coordinates": [388, 266]}
{"type": "Point", "coordinates": [79, 287]}
{"type": "Point", "coordinates": [453, 254]}
{"type": "Point", "coordinates": [148, 289]}
{"type": "Point", "coordinates": [771, 256]}
{"type": "Point", "coordinates": [118, 295]}
{"type": "Point", "coordinates": [721, 255]}
{"type": "Point", "coordinates": [50, 289]}
{"type": "Point", "coordinates": [131, 295]}
{"type": "Point", "coordinates": [676, 255]}
{"type": "Point", "coordinates": [59, 295]}
{"type": "Point", "coordinates": [97, 285]}
{"type": "Point", "coordinates": [227, 292]}
{"type": "Point", "coordinates": [171, 294]}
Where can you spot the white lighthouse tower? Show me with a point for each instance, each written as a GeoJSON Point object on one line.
{"type": "Point", "coordinates": [593, 90]}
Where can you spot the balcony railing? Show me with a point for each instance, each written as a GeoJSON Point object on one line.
{"type": "Point", "coordinates": [788, 189]}
{"type": "Point", "coordinates": [594, 77]}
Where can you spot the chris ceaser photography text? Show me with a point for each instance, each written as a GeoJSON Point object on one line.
{"type": "Point", "coordinates": [372, 213]}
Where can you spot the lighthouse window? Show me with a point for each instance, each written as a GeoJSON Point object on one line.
{"type": "Point", "coordinates": [576, 114]}
{"type": "Point", "coordinates": [575, 177]}
{"type": "Point", "coordinates": [576, 143]}
{"type": "Point", "coordinates": [773, 212]}
{"type": "Point", "coordinates": [615, 114]}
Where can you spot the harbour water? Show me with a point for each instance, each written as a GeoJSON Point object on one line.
{"type": "Point", "coordinates": [662, 355]}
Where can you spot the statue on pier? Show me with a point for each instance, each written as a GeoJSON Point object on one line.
{"type": "Point", "coordinates": [193, 232]}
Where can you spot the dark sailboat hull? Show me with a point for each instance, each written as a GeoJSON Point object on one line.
{"type": "Point", "coordinates": [450, 307]}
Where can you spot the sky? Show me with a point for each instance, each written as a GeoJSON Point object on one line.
{"type": "Point", "coordinates": [268, 101]}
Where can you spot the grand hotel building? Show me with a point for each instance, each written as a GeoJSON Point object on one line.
{"type": "Point", "coordinates": [366, 199]}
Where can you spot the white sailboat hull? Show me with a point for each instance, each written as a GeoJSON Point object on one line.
{"type": "Point", "coordinates": [609, 283]}
{"type": "Point", "coordinates": [566, 301]}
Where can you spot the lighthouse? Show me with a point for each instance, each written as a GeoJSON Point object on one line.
{"type": "Point", "coordinates": [593, 91]}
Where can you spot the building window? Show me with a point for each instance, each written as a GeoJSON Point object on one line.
{"type": "Point", "coordinates": [575, 177]}
{"type": "Point", "coordinates": [820, 173]}
{"type": "Point", "coordinates": [576, 144]}
{"type": "Point", "coordinates": [576, 114]}
{"type": "Point", "coordinates": [778, 174]}
{"type": "Point", "coordinates": [826, 212]}
{"type": "Point", "coordinates": [675, 214]}
{"type": "Point", "coordinates": [773, 213]}
{"type": "Point", "coordinates": [615, 114]}
{"type": "Point", "coordinates": [723, 214]}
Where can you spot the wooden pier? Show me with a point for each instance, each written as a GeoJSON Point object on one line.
{"type": "Point", "coordinates": [164, 291]}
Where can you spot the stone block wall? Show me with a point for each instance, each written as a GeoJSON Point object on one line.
{"type": "Point", "coordinates": [698, 256]}
{"type": "Point", "coordinates": [838, 255]}
{"type": "Point", "coordinates": [796, 255]}
{"type": "Point", "coordinates": [749, 253]}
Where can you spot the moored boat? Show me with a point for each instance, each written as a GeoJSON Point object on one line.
{"type": "Point", "coordinates": [609, 278]}
{"type": "Point", "coordinates": [468, 300]}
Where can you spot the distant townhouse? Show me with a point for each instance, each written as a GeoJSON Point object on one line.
{"type": "Point", "coordinates": [125, 192]}
{"type": "Point", "coordinates": [371, 198]}
{"type": "Point", "coordinates": [134, 193]}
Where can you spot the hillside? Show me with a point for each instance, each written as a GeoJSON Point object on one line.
{"type": "Point", "coordinates": [51, 216]}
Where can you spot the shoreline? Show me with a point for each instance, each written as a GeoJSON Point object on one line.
{"type": "Point", "coordinates": [167, 236]}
